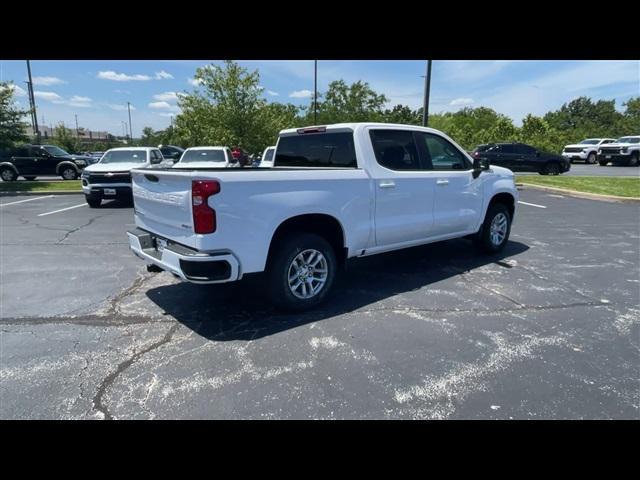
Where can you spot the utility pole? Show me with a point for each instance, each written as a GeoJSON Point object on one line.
{"type": "Point", "coordinates": [33, 103]}
{"type": "Point", "coordinates": [427, 88]}
{"type": "Point", "coordinates": [315, 92]}
{"type": "Point", "coordinates": [31, 108]}
{"type": "Point", "coordinates": [130, 129]}
{"type": "Point", "coordinates": [77, 131]}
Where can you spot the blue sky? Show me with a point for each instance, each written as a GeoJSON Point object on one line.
{"type": "Point", "coordinates": [97, 91]}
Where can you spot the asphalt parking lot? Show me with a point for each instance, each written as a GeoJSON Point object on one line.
{"type": "Point", "coordinates": [549, 329]}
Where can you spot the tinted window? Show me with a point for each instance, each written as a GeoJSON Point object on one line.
{"type": "Point", "coordinates": [525, 150]}
{"type": "Point", "coordinates": [483, 148]}
{"type": "Point", "coordinates": [21, 152]}
{"type": "Point", "coordinates": [395, 149]}
{"type": "Point", "coordinates": [202, 155]}
{"type": "Point", "coordinates": [442, 154]}
{"type": "Point", "coordinates": [317, 150]}
{"type": "Point", "coordinates": [507, 149]}
{"type": "Point", "coordinates": [53, 150]}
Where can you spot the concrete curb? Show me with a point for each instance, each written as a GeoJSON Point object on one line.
{"type": "Point", "coordinates": [574, 193]}
{"type": "Point", "coordinates": [42, 192]}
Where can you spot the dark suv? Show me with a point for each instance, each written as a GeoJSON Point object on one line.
{"type": "Point", "coordinates": [171, 152]}
{"type": "Point", "coordinates": [519, 157]}
{"type": "Point", "coordinates": [29, 161]}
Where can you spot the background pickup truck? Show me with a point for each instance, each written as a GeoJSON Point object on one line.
{"type": "Point", "coordinates": [624, 151]}
{"type": "Point", "coordinates": [586, 150]}
{"type": "Point", "coordinates": [336, 192]}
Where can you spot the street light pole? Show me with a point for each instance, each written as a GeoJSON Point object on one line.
{"type": "Point", "coordinates": [315, 92]}
{"type": "Point", "coordinates": [33, 103]}
{"type": "Point", "coordinates": [130, 129]}
{"type": "Point", "coordinates": [427, 88]}
{"type": "Point", "coordinates": [77, 131]}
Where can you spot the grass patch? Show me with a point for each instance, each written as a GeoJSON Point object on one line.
{"type": "Point", "coordinates": [44, 187]}
{"type": "Point", "coordinates": [622, 187]}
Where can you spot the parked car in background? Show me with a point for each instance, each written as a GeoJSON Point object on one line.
{"type": "Point", "coordinates": [95, 157]}
{"type": "Point", "coordinates": [336, 192]}
{"type": "Point", "coordinates": [205, 157]}
{"type": "Point", "coordinates": [171, 152]}
{"type": "Point", "coordinates": [267, 157]}
{"type": "Point", "coordinates": [29, 161]}
{"type": "Point", "coordinates": [624, 151]}
{"type": "Point", "coordinates": [519, 157]}
{"type": "Point", "coordinates": [110, 178]}
{"type": "Point", "coordinates": [586, 150]}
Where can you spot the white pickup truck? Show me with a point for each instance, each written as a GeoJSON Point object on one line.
{"type": "Point", "coordinates": [586, 150]}
{"type": "Point", "coordinates": [624, 151]}
{"type": "Point", "coordinates": [336, 192]}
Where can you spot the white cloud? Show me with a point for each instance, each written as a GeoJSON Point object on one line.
{"type": "Point", "coordinates": [122, 91]}
{"type": "Point", "coordinates": [165, 114]}
{"type": "Point", "coordinates": [272, 93]}
{"type": "Point", "coordinates": [195, 82]}
{"type": "Point", "coordinates": [46, 81]}
{"type": "Point", "coordinates": [163, 106]}
{"type": "Point", "coordinates": [461, 101]}
{"type": "Point", "coordinates": [122, 77]}
{"type": "Point", "coordinates": [301, 94]}
{"type": "Point", "coordinates": [166, 97]}
{"type": "Point", "coordinates": [162, 75]}
{"type": "Point", "coordinates": [78, 98]}
{"type": "Point", "coordinates": [49, 96]}
{"type": "Point", "coordinates": [118, 107]}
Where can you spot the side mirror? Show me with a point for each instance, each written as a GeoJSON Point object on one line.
{"type": "Point", "coordinates": [480, 165]}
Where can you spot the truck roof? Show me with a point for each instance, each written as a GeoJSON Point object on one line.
{"type": "Point", "coordinates": [133, 148]}
{"type": "Point", "coordinates": [354, 125]}
{"type": "Point", "coordinates": [207, 148]}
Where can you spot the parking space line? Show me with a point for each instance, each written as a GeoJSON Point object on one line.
{"type": "Point", "coordinates": [27, 200]}
{"type": "Point", "coordinates": [532, 204]}
{"type": "Point", "coordinates": [62, 210]}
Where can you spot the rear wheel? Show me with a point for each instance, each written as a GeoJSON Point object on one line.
{"type": "Point", "coordinates": [68, 173]}
{"type": "Point", "coordinates": [8, 174]}
{"type": "Point", "coordinates": [495, 230]}
{"type": "Point", "coordinates": [591, 158]}
{"type": "Point", "coordinates": [301, 272]}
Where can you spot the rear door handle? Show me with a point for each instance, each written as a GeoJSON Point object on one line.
{"type": "Point", "coordinates": [442, 182]}
{"type": "Point", "coordinates": [387, 184]}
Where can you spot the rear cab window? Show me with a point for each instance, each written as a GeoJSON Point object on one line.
{"type": "Point", "coordinates": [331, 149]}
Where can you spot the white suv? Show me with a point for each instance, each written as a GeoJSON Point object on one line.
{"type": "Point", "coordinates": [586, 150]}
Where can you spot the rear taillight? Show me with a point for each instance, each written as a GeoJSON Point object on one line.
{"type": "Point", "coordinates": [204, 217]}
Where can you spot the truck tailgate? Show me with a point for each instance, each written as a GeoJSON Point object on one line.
{"type": "Point", "coordinates": [162, 201]}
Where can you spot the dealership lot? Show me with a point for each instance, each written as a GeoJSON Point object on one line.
{"type": "Point", "coordinates": [550, 328]}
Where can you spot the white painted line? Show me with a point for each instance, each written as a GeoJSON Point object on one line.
{"type": "Point", "coordinates": [27, 200]}
{"type": "Point", "coordinates": [62, 210]}
{"type": "Point", "coordinates": [532, 204]}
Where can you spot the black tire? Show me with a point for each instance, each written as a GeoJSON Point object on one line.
{"type": "Point", "coordinates": [483, 239]}
{"type": "Point", "coordinates": [591, 159]}
{"type": "Point", "coordinates": [551, 168]}
{"type": "Point", "coordinates": [68, 173]}
{"type": "Point", "coordinates": [633, 161]}
{"type": "Point", "coordinates": [30, 177]}
{"type": "Point", "coordinates": [281, 262]}
{"type": "Point", "coordinates": [603, 163]}
{"type": "Point", "coordinates": [8, 174]}
{"type": "Point", "coordinates": [93, 201]}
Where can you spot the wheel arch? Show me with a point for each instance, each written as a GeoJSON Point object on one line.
{"type": "Point", "coordinates": [9, 165]}
{"type": "Point", "coordinates": [66, 163]}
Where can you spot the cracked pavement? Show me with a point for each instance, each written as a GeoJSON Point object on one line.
{"type": "Point", "coordinates": [548, 329]}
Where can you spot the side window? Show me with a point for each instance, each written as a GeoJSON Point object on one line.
{"type": "Point", "coordinates": [159, 155]}
{"type": "Point", "coordinates": [442, 154]}
{"type": "Point", "coordinates": [507, 149]}
{"type": "Point", "coordinates": [21, 152]}
{"type": "Point", "coordinates": [525, 150]}
{"type": "Point", "coordinates": [395, 149]}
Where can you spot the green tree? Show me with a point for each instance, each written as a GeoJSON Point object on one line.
{"type": "Point", "coordinates": [403, 114]}
{"type": "Point", "coordinates": [64, 139]}
{"type": "Point", "coordinates": [357, 102]}
{"type": "Point", "coordinates": [12, 128]}
{"type": "Point", "coordinates": [630, 124]}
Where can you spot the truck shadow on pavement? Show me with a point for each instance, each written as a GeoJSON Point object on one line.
{"type": "Point", "coordinates": [239, 311]}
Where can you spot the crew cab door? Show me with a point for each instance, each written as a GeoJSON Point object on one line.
{"type": "Point", "coordinates": [24, 161]}
{"type": "Point", "coordinates": [458, 196]}
{"type": "Point", "coordinates": [404, 189]}
{"type": "Point", "coordinates": [44, 163]}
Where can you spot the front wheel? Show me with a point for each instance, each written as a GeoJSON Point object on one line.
{"type": "Point", "coordinates": [68, 173]}
{"type": "Point", "coordinates": [495, 230]}
{"type": "Point", "coordinates": [603, 163]}
{"type": "Point", "coordinates": [591, 158]}
{"type": "Point", "coordinates": [93, 201]}
{"type": "Point", "coordinates": [551, 169]}
{"type": "Point", "coordinates": [301, 272]}
{"type": "Point", "coordinates": [633, 161]}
